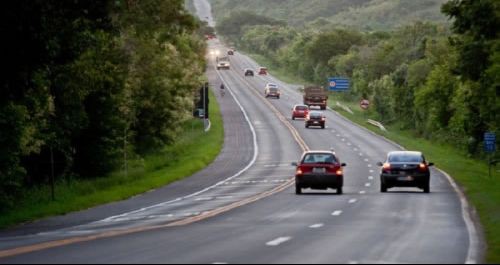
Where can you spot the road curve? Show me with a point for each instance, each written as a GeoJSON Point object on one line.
{"type": "Point", "coordinates": [361, 226]}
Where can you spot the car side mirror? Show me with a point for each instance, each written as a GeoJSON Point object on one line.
{"type": "Point", "coordinates": [380, 164]}
{"type": "Point", "coordinates": [295, 164]}
{"type": "Point", "coordinates": [343, 165]}
{"type": "Point", "coordinates": [431, 164]}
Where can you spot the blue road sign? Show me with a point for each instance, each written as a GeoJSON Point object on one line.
{"type": "Point", "coordinates": [339, 84]}
{"type": "Point", "coordinates": [490, 142]}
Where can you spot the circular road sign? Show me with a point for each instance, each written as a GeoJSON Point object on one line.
{"type": "Point", "coordinates": [365, 104]}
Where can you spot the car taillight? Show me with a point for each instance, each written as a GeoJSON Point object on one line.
{"type": "Point", "coordinates": [339, 172]}
{"type": "Point", "coordinates": [423, 167]}
{"type": "Point", "coordinates": [323, 119]}
{"type": "Point", "coordinates": [386, 167]}
{"type": "Point", "coordinates": [299, 171]}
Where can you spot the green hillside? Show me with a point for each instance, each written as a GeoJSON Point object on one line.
{"type": "Point", "coordinates": [363, 14]}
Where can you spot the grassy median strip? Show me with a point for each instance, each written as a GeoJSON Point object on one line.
{"type": "Point", "coordinates": [194, 150]}
{"type": "Point", "coordinates": [472, 174]}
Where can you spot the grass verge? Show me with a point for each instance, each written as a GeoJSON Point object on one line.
{"type": "Point", "coordinates": [192, 152]}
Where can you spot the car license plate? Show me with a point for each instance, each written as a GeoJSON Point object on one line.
{"type": "Point", "coordinates": [408, 178]}
{"type": "Point", "coordinates": [319, 170]}
{"type": "Point", "coordinates": [316, 122]}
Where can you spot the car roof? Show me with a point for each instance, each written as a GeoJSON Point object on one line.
{"type": "Point", "coordinates": [271, 84]}
{"type": "Point", "coordinates": [320, 152]}
{"type": "Point", "coordinates": [315, 112]}
{"type": "Point", "coordinates": [402, 153]}
{"type": "Point", "coordinates": [300, 105]}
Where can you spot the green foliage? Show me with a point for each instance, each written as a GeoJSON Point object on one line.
{"type": "Point", "coordinates": [416, 77]}
{"type": "Point", "coordinates": [322, 15]}
{"type": "Point", "coordinates": [91, 83]}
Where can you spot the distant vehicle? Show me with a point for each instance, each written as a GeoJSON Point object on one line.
{"type": "Point", "coordinates": [316, 118]}
{"type": "Point", "coordinates": [248, 72]}
{"type": "Point", "coordinates": [262, 71]}
{"type": "Point", "coordinates": [272, 90]}
{"type": "Point", "coordinates": [316, 96]}
{"type": "Point", "coordinates": [405, 169]}
{"type": "Point", "coordinates": [300, 111]}
{"type": "Point", "coordinates": [319, 170]}
{"type": "Point", "coordinates": [223, 63]}
{"type": "Point", "coordinates": [230, 52]}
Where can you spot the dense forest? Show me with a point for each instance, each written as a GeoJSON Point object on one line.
{"type": "Point", "coordinates": [441, 81]}
{"type": "Point", "coordinates": [359, 14]}
{"type": "Point", "coordinates": [86, 84]}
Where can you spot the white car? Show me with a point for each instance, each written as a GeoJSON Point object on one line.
{"type": "Point", "coordinates": [272, 90]}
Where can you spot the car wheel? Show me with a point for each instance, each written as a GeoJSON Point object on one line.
{"type": "Point", "coordinates": [427, 188]}
{"type": "Point", "coordinates": [339, 191]}
{"type": "Point", "coordinates": [383, 188]}
{"type": "Point", "coordinates": [293, 118]}
{"type": "Point", "coordinates": [298, 190]}
{"type": "Point", "coordinates": [307, 126]}
{"type": "Point", "coordinates": [323, 127]}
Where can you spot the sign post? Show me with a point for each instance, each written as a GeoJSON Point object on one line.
{"type": "Point", "coordinates": [490, 147]}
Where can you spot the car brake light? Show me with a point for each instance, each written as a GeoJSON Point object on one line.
{"type": "Point", "coordinates": [299, 171]}
{"type": "Point", "coordinates": [339, 172]}
{"type": "Point", "coordinates": [387, 167]}
{"type": "Point", "coordinates": [323, 119]}
{"type": "Point", "coordinates": [423, 167]}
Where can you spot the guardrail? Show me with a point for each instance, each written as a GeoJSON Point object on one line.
{"type": "Point", "coordinates": [208, 125]}
{"type": "Point", "coordinates": [378, 124]}
{"type": "Point", "coordinates": [345, 108]}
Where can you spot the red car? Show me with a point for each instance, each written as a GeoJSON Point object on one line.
{"type": "Point", "coordinates": [262, 71]}
{"type": "Point", "coordinates": [300, 111]}
{"type": "Point", "coordinates": [319, 170]}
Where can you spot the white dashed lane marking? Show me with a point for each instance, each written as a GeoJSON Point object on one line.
{"type": "Point", "coordinates": [337, 213]}
{"type": "Point", "coordinates": [278, 241]}
{"type": "Point", "coordinates": [316, 226]}
{"type": "Point", "coordinates": [353, 200]}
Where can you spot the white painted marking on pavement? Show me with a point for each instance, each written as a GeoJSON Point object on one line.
{"type": "Point", "coordinates": [337, 213]}
{"type": "Point", "coordinates": [278, 241]}
{"type": "Point", "coordinates": [316, 226]}
{"type": "Point", "coordinates": [353, 200]}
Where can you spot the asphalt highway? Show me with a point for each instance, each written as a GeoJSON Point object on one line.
{"type": "Point", "coordinates": [243, 208]}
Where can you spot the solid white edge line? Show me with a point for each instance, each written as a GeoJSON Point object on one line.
{"type": "Point", "coordinates": [254, 159]}
{"type": "Point", "coordinates": [474, 253]}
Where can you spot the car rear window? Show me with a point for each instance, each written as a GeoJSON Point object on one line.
{"type": "Point", "coordinates": [319, 159]}
{"type": "Point", "coordinates": [405, 158]}
{"type": "Point", "coordinates": [301, 108]}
